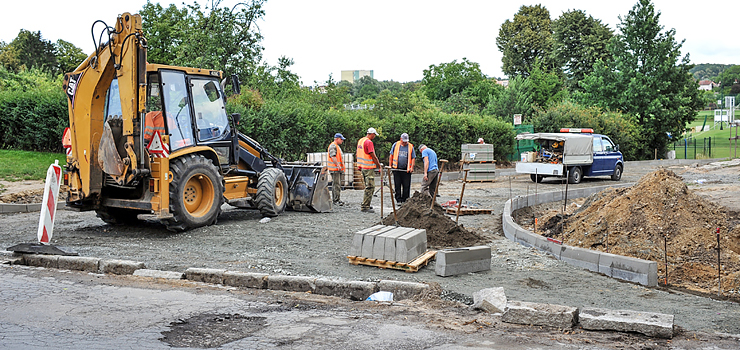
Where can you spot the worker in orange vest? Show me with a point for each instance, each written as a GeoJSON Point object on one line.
{"type": "Point", "coordinates": [153, 123]}
{"type": "Point", "coordinates": [336, 167]}
{"type": "Point", "coordinates": [402, 160]}
{"type": "Point", "coordinates": [367, 161]}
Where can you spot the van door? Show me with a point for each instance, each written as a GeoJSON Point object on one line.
{"type": "Point", "coordinates": [598, 166]}
{"type": "Point", "coordinates": [611, 155]}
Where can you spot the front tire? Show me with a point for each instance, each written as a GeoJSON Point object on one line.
{"type": "Point", "coordinates": [536, 178]}
{"type": "Point", "coordinates": [196, 193]}
{"type": "Point", "coordinates": [617, 175]}
{"type": "Point", "coordinates": [272, 192]}
{"type": "Point", "coordinates": [576, 174]}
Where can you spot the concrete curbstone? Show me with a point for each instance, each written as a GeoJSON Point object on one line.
{"type": "Point", "coordinates": [368, 241]}
{"type": "Point", "coordinates": [411, 245]}
{"type": "Point", "coordinates": [120, 267]}
{"type": "Point", "coordinates": [214, 276]}
{"type": "Point", "coordinates": [291, 283]}
{"type": "Point", "coordinates": [402, 290]}
{"type": "Point", "coordinates": [459, 261]}
{"type": "Point", "coordinates": [385, 240]}
{"type": "Point", "coordinates": [491, 300]}
{"type": "Point", "coordinates": [41, 260]}
{"type": "Point", "coordinates": [536, 314]}
{"type": "Point", "coordinates": [13, 208]}
{"type": "Point", "coordinates": [648, 323]}
{"type": "Point", "coordinates": [245, 279]}
{"type": "Point", "coordinates": [630, 269]}
{"type": "Point", "coordinates": [584, 258]}
{"type": "Point", "coordinates": [79, 263]}
{"type": "Point", "coordinates": [169, 275]}
{"type": "Point", "coordinates": [33, 207]}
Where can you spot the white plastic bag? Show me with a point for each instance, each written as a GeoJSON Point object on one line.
{"type": "Point", "coordinates": [380, 296]}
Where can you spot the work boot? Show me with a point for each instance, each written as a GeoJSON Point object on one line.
{"type": "Point", "coordinates": [368, 210]}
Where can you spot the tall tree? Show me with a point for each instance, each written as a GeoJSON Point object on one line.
{"type": "Point", "coordinates": [442, 81]}
{"type": "Point", "coordinates": [68, 55]}
{"type": "Point", "coordinates": [526, 40]}
{"type": "Point", "coordinates": [646, 77]}
{"type": "Point", "coordinates": [578, 42]}
{"type": "Point", "coordinates": [517, 98]}
{"type": "Point", "coordinates": [29, 50]}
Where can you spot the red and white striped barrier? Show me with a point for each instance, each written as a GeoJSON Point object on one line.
{"type": "Point", "coordinates": [49, 205]}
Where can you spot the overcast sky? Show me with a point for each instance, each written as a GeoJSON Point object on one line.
{"type": "Point", "coordinates": [396, 39]}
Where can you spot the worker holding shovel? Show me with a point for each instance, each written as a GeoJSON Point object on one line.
{"type": "Point", "coordinates": [429, 183]}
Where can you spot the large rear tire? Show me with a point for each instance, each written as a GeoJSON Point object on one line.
{"type": "Point", "coordinates": [196, 193]}
{"type": "Point", "coordinates": [272, 192]}
{"type": "Point", "coordinates": [576, 174]}
{"type": "Point", "coordinates": [118, 216]}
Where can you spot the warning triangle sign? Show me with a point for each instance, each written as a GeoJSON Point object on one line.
{"type": "Point", "coordinates": [157, 147]}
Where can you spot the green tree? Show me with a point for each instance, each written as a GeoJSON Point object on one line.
{"type": "Point", "coordinates": [68, 55]}
{"type": "Point", "coordinates": [728, 78]}
{"type": "Point", "coordinates": [29, 50]}
{"type": "Point", "coordinates": [578, 42]}
{"type": "Point", "coordinates": [163, 29]}
{"type": "Point", "coordinates": [442, 81]}
{"type": "Point", "coordinates": [517, 98]}
{"type": "Point", "coordinates": [645, 77]}
{"type": "Point", "coordinates": [547, 88]}
{"type": "Point", "coordinates": [525, 40]}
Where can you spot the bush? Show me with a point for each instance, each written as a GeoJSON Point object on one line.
{"type": "Point", "coordinates": [622, 129]}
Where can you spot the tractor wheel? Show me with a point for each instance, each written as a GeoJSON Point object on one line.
{"type": "Point", "coordinates": [576, 174]}
{"type": "Point", "coordinates": [196, 193]}
{"type": "Point", "coordinates": [617, 175]}
{"type": "Point", "coordinates": [118, 216]}
{"type": "Point", "coordinates": [536, 178]}
{"type": "Point", "coordinates": [272, 192]}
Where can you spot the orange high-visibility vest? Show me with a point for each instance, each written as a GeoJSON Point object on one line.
{"type": "Point", "coordinates": [364, 160]}
{"type": "Point", "coordinates": [154, 122]}
{"type": "Point", "coordinates": [336, 163]}
{"type": "Point", "coordinates": [395, 155]}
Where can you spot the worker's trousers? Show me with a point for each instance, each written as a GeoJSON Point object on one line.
{"type": "Point", "coordinates": [336, 188]}
{"type": "Point", "coordinates": [368, 176]}
{"type": "Point", "coordinates": [402, 181]}
{"type": "Point", "coordinates": [431, 184]}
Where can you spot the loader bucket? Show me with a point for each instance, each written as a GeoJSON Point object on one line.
{"type": "Point", "coordinates": [308, 189]}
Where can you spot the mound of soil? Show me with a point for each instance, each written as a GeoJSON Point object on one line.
{"type": "Point", "coordinates": [442, 232]}
{"type": "Point", "coordinates": [638, 221]}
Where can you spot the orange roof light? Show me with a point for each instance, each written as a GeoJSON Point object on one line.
{"type": "Point", "coordinates": [587, 131]}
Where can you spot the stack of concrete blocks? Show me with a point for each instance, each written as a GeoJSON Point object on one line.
{"type": "Point", "coordinates": [479, 159]}
{"type": "Point", "coordinates": [349, 165]}
{"type": "Point", "coordinates": [459, 261]}
{"type": "Point", "coordinates": [390, 243]}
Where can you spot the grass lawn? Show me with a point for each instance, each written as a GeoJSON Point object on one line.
{"type": "Point", "coordinates": [721, 145]}
{"type": "Point", "coordinates": [27, 165]}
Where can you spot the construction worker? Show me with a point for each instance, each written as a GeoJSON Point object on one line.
{"type": "Point", "coordinates": [367, 161]}
{"type": "Point", "coordinates": [430, 169]}
{"type": "Point", "coordinates": [402, 160]}
{"type": "Point", "coordinates": [480, 141]}
{"type": "Point", "coordinates": [153, 123]}
{"type": "Point", "coordinates": [336, 167]}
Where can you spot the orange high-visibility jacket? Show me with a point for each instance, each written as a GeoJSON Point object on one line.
{"type": "Point", "coordinates": [335, 163]}
{"type": "Point", "coordinates": [394, 165]}
{"type": "Point", "coordinates": [364, 160]}
{"type": "Point", "coordinates": [154, 122]}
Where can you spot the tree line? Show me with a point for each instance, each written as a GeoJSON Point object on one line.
{"type": "Point", "coordinates": [632, 83]}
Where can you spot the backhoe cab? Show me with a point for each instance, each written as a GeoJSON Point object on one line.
{"type": "Point", "coordinates": [156, 139]}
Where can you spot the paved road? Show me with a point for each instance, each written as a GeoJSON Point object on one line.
{"type": "Point", "coordinates": [53, 309]}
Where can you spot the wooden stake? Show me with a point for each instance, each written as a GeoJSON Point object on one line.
{"type": "Point", "coordinates": [459, 204]}
{"type": "Point", "coordinates": [439, 179]}
{"type": "Point", "coordinates": [719, 268]}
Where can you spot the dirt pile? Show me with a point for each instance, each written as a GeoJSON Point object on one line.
{"type": "Point", "coordinates": [636, 222]}
{"type": "Point", "coordinates": [442, 232]}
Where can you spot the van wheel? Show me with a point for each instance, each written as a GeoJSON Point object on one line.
{"type": "Point", "coordinates": [272, 192]}
{"type": "Point", "coordinates": [575, 175]}
{"type": "Point", "coordinates": [536, 178]}
{"type": "Point", "coordinates": [196, 193]}
{"type": "Point", "coordinates": [617, 175]}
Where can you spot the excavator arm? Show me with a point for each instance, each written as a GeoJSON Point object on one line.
{"type": "Point", "coordinates": [123, 58]}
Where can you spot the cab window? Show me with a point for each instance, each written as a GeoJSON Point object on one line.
{"type": "Point", "coordinates": [608, 145]}
{"type": "Point", "coordinates": [210, 113]}
{"type": "Point", "coordinates": [113, 100]}
{"type": "Point", "coordinates": [177, 109]}
{"type": "Point", "coordinates": [597, 145]}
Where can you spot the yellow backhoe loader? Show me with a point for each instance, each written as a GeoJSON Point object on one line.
{"type": "Point", "coordinates": [156, 139]}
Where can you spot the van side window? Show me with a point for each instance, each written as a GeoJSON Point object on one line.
{"type": "Point", "coordinates": [597, 145]}
{"type": "Point", "coordinates": [607, 144]}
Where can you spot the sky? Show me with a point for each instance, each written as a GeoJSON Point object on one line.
{"type": "Point", "coordinates": [397, 39]}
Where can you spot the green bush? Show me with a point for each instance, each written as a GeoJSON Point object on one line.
{"type": "Point", "coordinates": [621, 128]}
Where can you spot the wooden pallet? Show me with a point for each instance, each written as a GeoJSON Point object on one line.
{"type": "Point", "coordinates": [468, 211]}
{"type": "Point", "coordinates": [412, 266]}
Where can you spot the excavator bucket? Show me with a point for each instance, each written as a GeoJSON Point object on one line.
{"type": "Point", "coordinates": [308, 190]}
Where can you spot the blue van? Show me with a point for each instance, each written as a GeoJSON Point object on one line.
{"type": "Point", "coordinates": [574, 153]}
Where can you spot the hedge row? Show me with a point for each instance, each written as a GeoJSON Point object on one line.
{"type": "Point", "coordinates": [33, 120]}
{"type": "Point", "coordinates": [292, 129]}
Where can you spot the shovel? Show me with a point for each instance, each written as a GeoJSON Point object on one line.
{"type": "Point", "coordinates": [439, 179]}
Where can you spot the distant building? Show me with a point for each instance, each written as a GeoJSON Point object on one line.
{"type": "Point", "coordinates": [707, 85]}
{"type": "Point", "coordinates": [504, 83]}
{"type": "Point", "coordinates": [355, 75]}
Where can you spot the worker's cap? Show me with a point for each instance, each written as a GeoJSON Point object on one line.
{"type": "Point", "coordinates": [338, 135]}
{"type": "Point", "coordinates": [372, 131]}
{"type": "Point", "coordinates": [480, 139]}
{"type": "Point", "coordinates": [405, 137]}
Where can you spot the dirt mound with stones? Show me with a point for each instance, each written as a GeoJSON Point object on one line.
{"type": "Point", "coordinates": [442, 232]}
{"type": "Point", "coordinates": [640, 220]}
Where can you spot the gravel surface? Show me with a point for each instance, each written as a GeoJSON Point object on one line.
{"type": "Point", "coordinates": [317, 244]}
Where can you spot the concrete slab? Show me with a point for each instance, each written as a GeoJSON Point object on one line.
{"type": "Point", "coordinates": [214, 276]}
{"type": "Point", "coordinates": [536, 314]}
{"type": "Point", "coordinates": [411, 245]}
{"type": "Point", "coordinates": [390, 242]}
{"type": "Point", "coordinates": [79, 263]}
{"type": "Point", "coordinates": [648, 323]}
{"type": "Point", "coordinates": [356, 249]}
{"type": "Point", "coordinates": [491, 300]}
{"type": "Point", "coordinates": [459, 261]}
{"type": "Point", "coordinates": [380, 241]}
{"type": "Point", "coordinates": [168, 275]}
{"type": "Point", "coordinates": [120, 267]}
{"type": "Point", "coordinates": [368, 240]}
{"type": "Point", "coordinates": [245, 279]}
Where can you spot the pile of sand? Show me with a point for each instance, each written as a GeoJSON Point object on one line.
{"type": "Point", "coordinates": [637, 221]}
{"type": "Point", "coordinates": [442, 232]}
